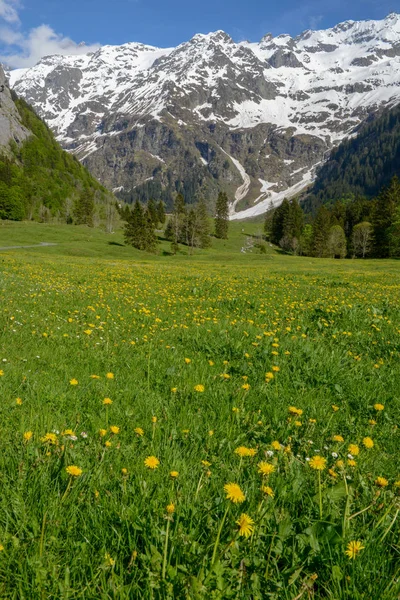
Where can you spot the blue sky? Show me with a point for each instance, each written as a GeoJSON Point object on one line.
{"type": "Point", "coordinates": [30, 29]}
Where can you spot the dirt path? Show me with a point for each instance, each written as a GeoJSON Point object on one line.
{"type": "Point", "coordinates": [33, 246]}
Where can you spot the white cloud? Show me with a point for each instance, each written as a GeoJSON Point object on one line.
{"type": "Point", "coordinates": [9, 11]}
{"type": "Point", "coordinates": [24, 49]}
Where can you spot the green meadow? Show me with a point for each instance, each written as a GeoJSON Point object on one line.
{"type": "Point", "coordinates": [222, 425]}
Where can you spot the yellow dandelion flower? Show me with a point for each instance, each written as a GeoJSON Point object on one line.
{"type": "Point", "coordinates": [276, 369]}
{"type": "Point", "coordinates": [318, 463]}
{"type": "Point", "coordinates": [265, 468]}
{"type": "Point", "coordinates": [246, 386]}
{"type": "Point", "coordinates": [139, 431]}
{"type": "Point", "coordinates": [351, 462]}
{"type": "Point", "coordinates": [338, 438]}
{"type": "Point", "coordinates": [372, 422]}
{"type": "Point", "coordinates": [295, 411]}
{"type": "Point", "coordinates": [73, 382]}
{"type": "Point", "coordinates": [188, 361]}
{"type": "Point", "coordinates": [110, 562]}
{"type": "Point", "coordinates": [354, 548]}
{"type": "Point", "coordinates": [205, 463]}
{"type": "Point", "coordinates": [379, 407]}
{"type": "Point", "coordinates": [74, 471]}
{"type": "Point", "coordinates": [246, 525]}
{"type": "Point", "coordinates": [28, 435]}
{"type": "Point", "coordinates": [107, 401]}
{"type": "Point", "coordinates": [276, 445]}
{"type": "Point", "coordinates": [95, 377]}
{"type": "Point", "coordinates": [335, 408]}
{"type": "Point", "coordinates": [108, 444]}
{"type": "Point", "coordinates": [340, 464]}
{"type": "Point", "coordinates": [171, 508]}
{"type": "Point", "coordinates": [110, 375]}
{"type": "Point", "coordinates": [332, 473]}
{"type": "Point", "coordinates": [368, 442]}
{"type": "Point", "coordinates": [234, 493]}
{"type": "Point", "coordinates": [235, 409]}
{"type": "Point", "coordinates": [102, 432]}
{"type": "Point", "coordinates": [151, 462]}
{"type": "Point", "coordinates": [18, 401]}
{"type": "Point", "coordinates": [174, 390]}
{"type": "Point", "coordinates": [154, 419]}
{"type": "Point", "coordinates": [353, 449]}
{"type": "Point", "coordinates": [242, 451]}
{"type": "Point", "coordinates": [268, 376]}
{"type": "Point", "coordinates": [1, 372]}
{"type": "Point", "coordinates": [49, 438]}
{"type": "Point", "coordinates": [174, 474]}
{"type": "Point", "coordinates": [381, 482]}
{"type": "Point", "coordinates": [199, 388]}
{"type": "Point", "coordinates": [268, 491]}
{"type": "Point", "coordinates": [210, 362]}
{"type": "Point", "coordinates": [114, 429]}
{"type": "Point", "coordinates": [124, 471]}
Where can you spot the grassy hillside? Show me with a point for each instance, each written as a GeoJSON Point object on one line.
{"type": "Point", "coordinates": [39, 179]}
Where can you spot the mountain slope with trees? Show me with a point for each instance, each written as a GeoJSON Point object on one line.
{"type": "Point", "coordinates": [38, 179]}
{"type": "Point", "coordinates": [361, 166]}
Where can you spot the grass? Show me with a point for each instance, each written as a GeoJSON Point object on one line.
{"type": "Point", "coordinates": [213, 364]}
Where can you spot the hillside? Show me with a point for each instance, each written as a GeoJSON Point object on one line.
{"type": "Point", "coordinates": [38, 179]}
{"type": "Point", "coordinates": [360, 166]}
{"type": "Point", "coordinates": [252, 119]}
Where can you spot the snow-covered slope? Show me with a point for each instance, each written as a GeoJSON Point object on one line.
{"type": "Point", "coordinates": [252, 118]}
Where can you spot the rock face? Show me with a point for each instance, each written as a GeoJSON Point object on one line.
{"type": "Point", "coordinates": [11, 128]}
{"type": "Point", "coordinates": [254, 119]}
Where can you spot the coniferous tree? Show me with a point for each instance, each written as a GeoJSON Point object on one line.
{"type": "Point", "coordinates": [149, 238]}
{"type": "Point", "coordinates": [161, 212]}
{"type": "Point", "coordinates": [152, 211]}
{"type": "Point", "coordinates": [84, 208]}
{"type": "Point", "coordinates": [222, 216]}
{"type": "Point", "coordinates": [384, 215]}
{"type": "Point", "coordinates": [135, 222]}
{"type": "Point", "coordinates": [203, 225]}
{"type": "Point", "coordinates": [321, 227]}
{"type": "Point", "coordinates": [178, 218]}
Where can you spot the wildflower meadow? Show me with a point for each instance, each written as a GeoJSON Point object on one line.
{"type": "Point", "coordinates": [199, 430]}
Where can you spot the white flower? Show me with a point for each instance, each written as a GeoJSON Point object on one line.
{"type": "Point", "coordinates": [335, 454]}
{"type": "Point", "coordinates": [84, 434]}
{"type": "Point", "coordinates": [269, 453]}
{"type": "Point", "coordinates": [350, 456]}
{"type": "Point", "coordinates": [307, 459]}
{"type": "Point", "coordinates": [310, 442]}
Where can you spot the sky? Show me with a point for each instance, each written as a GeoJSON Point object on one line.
{"type": "Point", "coordinates": [30, 29]}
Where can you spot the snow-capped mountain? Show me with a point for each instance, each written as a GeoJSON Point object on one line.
{"type": "Point", "coordinates": [252, 118]}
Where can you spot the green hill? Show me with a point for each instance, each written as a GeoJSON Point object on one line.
{"type": "Point", "coordinates": [39, 180]}
{"type": "Point", "coordinates": [361, 166]}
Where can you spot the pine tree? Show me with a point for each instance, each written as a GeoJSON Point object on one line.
{"type": "Point", "coordinates": [384, 215]}
{"type": "Point", "coordinates": [178, 219]}
{"type": "Point", "coordinates": [84, 208]}
{"type": "Point", "coordinates": [152, 210]}
{"type": "Point", "coordinates": [321, 229]}
{"type": "Point", "coordinates": [222, 216]}
{"type": "Point", "coordinates": [203, 225]}
{"type": "Point", "coordinates": [149, 238]}
{"type": "Point", "coordinates": [133, 231]}
{"type": "Point", "coordinates": [161, 212]}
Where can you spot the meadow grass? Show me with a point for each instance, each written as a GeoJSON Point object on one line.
{"type": "Point", "coordinates": [220, 368]}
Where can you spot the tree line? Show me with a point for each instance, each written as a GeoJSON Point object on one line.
{"type": "Point", "coordinates": [187, 225]}
{"type": "Point", "coordinates": [356, 228]}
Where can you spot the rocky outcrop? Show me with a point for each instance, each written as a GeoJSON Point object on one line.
{"type": "Point", "coordinates": [11, 128]}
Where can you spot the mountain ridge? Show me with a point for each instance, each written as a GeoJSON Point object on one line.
{"type": "Point", "coordinates": [253, 119]}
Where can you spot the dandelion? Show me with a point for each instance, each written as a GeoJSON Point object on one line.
{"type": "Point", "coordinates": [139, 431]}
{"type": "Point", "coordinates": [381, 482]}
{"type": "Point", "coordinates": [110, 562]}
{"type": "Point", "coordinates": [205, 463]}
{"type": "Point", "coordinates": [124, 471]}
{"type": "Point", "coordinates": [372, 422]}
{"type": "Point", "coordinates": [114, 429]}
{"type": "Point", "coordinates": [335, 408]}
{"type": "Point", "coordinates": [368, 442]}
{"type": "Point", "coordinates": [379, 407]}
{"type": "Point", "coordinates": [102, 432]}
{"type": "Point", "coordinates": [28, 436]}
{"type": "Point", "coordinates": [199, 388]}
{"type": "Point", "coordinates": [107, 401]}
{"type": "Point", "coordinates": [268, 376]}
{"type": "Point", "coordinates": [354, 449]}
{"type": "Point", "coordinates": [174, 390]}
{"type": "Point", "coordinates": [74, 471]}
{"type": "Point", "coordinates": [188, 361]}
{"type": "Point", "coordinates": [246, 387]}
{"type": "Point", "coordinates": [295, 411]}
{"type": "Point", "coordinates": [1, 548]}
{"type": "Point", "coordinates": [265, 468]}
{"type": "Point", "coordinates": [354, 548]}
{"type": "Point", "coordinates": [171, 508]}
{"type": "Point", "coordinates": [1, 372]}
{"type": "Point", "coordinates": [235, 409]}
{"type": "Point", "coordinates": [174, 474]}
{"type": "Point", "coordinates": [110, 375]}
{"type": "Point", "coordinates": [318, 463]}
{"type": "Point", "coordinates": [338, 438]}
{"type": "Point", "coordinates": [268, 491]}
{"type": "Point", "coordinates": [276, 369]}
{"type": "Point", "coordinates": [95, 377]}
{"type": "Point", "coordinates": [154, 419]}
{"type": "Point", "coordinates": [108, 444]}
{"type": "Point", "coordinates": [234, 493]}
{"type": "Point", "coordinates": [49, 438]}
{"type": "Point", "coordinates": [73, 382]}
{"type": "Point", "coordinates": [351, 462]}
{"type": "Point", "coordinates": [151, 462]}
{"type": "Point", "coordinates": [242, 451]}
{"type": "Point", "coordinates": [246, 525]}
{"type": "Point", "coordinates": [211, 363]}
{"type": "Point", "coordinates": [18, 401]}
{"type": "Point", "coordinates": [276, 445]}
